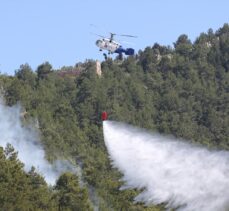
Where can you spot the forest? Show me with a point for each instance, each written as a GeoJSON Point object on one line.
{"type": "Point", "coordinates": [181, 90]}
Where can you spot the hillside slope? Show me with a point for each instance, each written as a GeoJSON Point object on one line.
{"type": "Point", "coordinates": [183, 91]}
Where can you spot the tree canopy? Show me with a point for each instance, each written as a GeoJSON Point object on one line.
{"type": "Point", "coordinates": [181, 90]}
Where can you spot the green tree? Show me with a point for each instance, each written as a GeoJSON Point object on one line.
{"type": "Point", "coordinates": [26, 74]}
{"type": "Point", "coordinates": [19, 190]}
{"type": "Point", "coordinates": [43, 70]}
{"type": "Point", "coordinates": [183, 45]}
{"type": "Point", "coordinates": [70, 195]}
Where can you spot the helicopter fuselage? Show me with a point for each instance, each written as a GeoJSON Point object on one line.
{"type": "Point", "coordinates": [107, 44]}
{"type": "Point", "coordinates": [113, 47]}
{"type": "Point", "coordinates": [110, 45]}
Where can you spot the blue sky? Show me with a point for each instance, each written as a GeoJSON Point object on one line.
{"type": "Point", "coordinates": [58, 31]}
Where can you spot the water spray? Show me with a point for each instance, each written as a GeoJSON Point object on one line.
{"type": "Point", "coordinates": [180, 175]}
{"type": "Point", "coordinates": [26, 142]}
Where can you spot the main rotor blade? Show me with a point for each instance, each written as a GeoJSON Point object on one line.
{"type": "Point", "coordinates": [97, 34]}
{"type": "Point", "coordinates": [127, 35]}
{"type": "Point", "coordinates": [123, 35]}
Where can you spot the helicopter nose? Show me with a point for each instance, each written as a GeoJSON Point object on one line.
{"type": "Point", "coordinates": [98, 42]}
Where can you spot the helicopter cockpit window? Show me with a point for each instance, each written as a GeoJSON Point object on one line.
{"type": "Point", "coordinates": [98, 42]}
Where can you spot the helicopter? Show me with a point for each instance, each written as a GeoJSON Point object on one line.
{"type": "Point", "coordinates": [112, 46]}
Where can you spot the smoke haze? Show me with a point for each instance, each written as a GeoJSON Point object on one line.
{"type": "Point", "coordinates": [26, 142]}
{"type": "Point", "coordinates": [183, 176]}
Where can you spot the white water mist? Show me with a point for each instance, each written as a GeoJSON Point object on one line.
{"type": "Point", "coordinates": [26, 142]}
{"type": "Point", "coordinates": [182, 176]}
